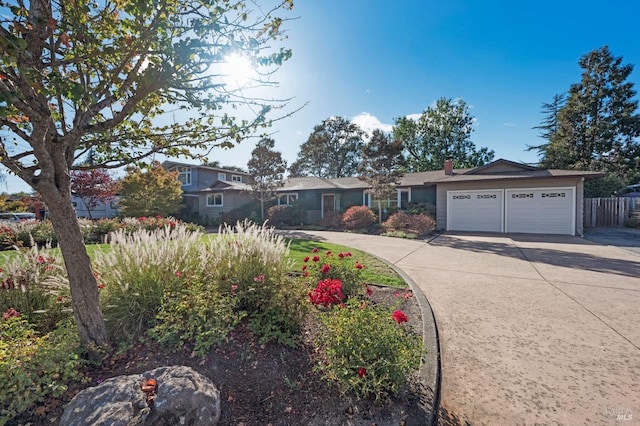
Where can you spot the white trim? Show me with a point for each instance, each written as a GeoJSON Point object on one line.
{"type": "Point", "coordinates": [399, 192]}
{"type": "Point", "coordinates": [287, 194]}
{"type": "Point", "coordinates": [366, 196]}
{"type": "Point", "coordinates": [187, 172]}
{"type": "Point", "coordinates": [332, 194]}
{"type": "Point", "coordinates": [214, 195]}
{"type": "Point", "coordinates": [233, 178]}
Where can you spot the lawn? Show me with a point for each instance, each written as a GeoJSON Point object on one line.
{"type": "Point", "coordinates": [375, 272]}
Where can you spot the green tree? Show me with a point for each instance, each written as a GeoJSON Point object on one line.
{"type": "Point", "coordinates": [598, 127]}
{"type": "Point", "coordinates": [126, 79]}
{"type": "Point", "coordinates": [442, 131]}
{"type": "Point", "coordinates": [382, 162]}
{"type": "Point", "coordinates": [332, 150]}
{"type": "Point", "coordinates": [266, 169]}
{"type": "Point", "coordinates": [150, 193]}
{"type": "Point", "coordinates": [549, 125]}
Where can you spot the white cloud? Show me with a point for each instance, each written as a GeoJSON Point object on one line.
{"type": "Point", "coordinates": [369, 123]}
{"type": "Point", "coordinates": [414, 117]}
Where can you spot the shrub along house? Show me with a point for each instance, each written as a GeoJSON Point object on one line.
{"type": "Point", "coordinates": [502, 196]}
{"type": "Point", "coordinates": [211, 191]}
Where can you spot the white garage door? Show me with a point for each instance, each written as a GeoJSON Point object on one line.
{"type": "Point", "coordinates": [475, 210]}
{"type": "Point", "coordinates": [541, 211]}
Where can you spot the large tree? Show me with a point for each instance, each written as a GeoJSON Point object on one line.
{"type": "Point", "coordinates": [549, 124]}
{"type": "Point", "coordinates": [266, 169]}
{"type": "Point", "coordinates": [126, 79]}
{"type": "Point", "coordinates": [381, 167]}
{"type": "Point", "coordinates": [332, 150]}
{"type": "Point", "coordinates": [442, 131]}
{"type": "Point", "coordinates": [150, 192]}
{"type": "Point", "coordinates": [598, 127]}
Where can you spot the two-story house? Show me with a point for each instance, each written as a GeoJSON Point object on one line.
{"type": "Point", "coordinates": [211, 191]}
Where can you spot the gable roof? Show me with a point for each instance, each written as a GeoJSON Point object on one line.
{"type": "Point", "coordinates": [314, 182]}
{"type": "Point", "coordinates": [170, 164]}
{"type": "Point", "coordinates": [504, 169]}
{"type": "Point", "coordinates": [225, 185]}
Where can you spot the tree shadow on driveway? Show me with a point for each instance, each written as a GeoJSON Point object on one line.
{"type": "Point", "coordinates": [561, 251]}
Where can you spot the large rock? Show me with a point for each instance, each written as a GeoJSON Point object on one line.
{"type": "Point", "coordinates": [183, 397]}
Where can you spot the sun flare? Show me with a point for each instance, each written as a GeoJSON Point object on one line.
{"type": "Point", "coordinates": [238, 69]}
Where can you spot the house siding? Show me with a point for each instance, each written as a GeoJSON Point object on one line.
{"type": "Point", "coordinates": [230, 201]}
{"type": "Point", "coordinates": [441, 194]}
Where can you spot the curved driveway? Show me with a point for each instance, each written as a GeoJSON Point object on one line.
{"type": "Point", "coordinates": [533, 329]}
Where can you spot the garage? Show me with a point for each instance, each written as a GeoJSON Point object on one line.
{"type": "Point", "coordinates": [477, 210]}
{"type": "Point", "coordinates": [540, 210]}
{"type": "Point", "coordinates": [518, 210]}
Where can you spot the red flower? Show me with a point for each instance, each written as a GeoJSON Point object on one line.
{"type": "Point", "coordinates": [101, 286]}
{"type": "Point", "coordinates": [341, 255]}
{"type": "Point", "coordinates": [178, 274]}
{"type": "Point", "coordinates": [399, 316]}
{"type": "Point", "coordinates": [304, 267]}
{"type": "Point", "coordinates": [10, 313]}
{"type": "Point", "coordinates": [315, 250]}
{"type": "Point", "coordinates": [359, 265]}
{"type": "Point", "coordinates": [316, 258]}
{"type": "Point", "coordinates": [362, 372]}
{"type": "Point", "coordinates": [325, 268]}
{"type": "Point", "coordinates": [306, 274]}
{"type": "Point", "coordinates": [259, 278]}
{"type": "Point", "coordinates": [369, 291]}
{"type": "Point", "coordinates": [328, 253]}
{"type": "Point", "coordinates": [327, 292]}
{"type": "Point", "coordinates": [306, 259]}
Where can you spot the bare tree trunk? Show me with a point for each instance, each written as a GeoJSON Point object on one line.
{"type": "Point", "coordinates": [84, 289]}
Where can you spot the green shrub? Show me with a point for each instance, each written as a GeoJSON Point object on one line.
{"type": "Point", "coordinates": [138, 270]}
{"type": "Point", "coordinates": [8, 238]}
{"type": "Point", "coordinates": [35, 285]}
{"type": "Point", "coordinates": [633, 221]}
{"type": "Point", "coordinates": [320, 265]}
{"type": "Point", "coordinates": [35, 232]}
{"type": "Point", "coordinates": [358, 217]}
{"type": "Point", "coordinates": [280, 318]}
{"type": "Point", "coordinates": [422, 208]}
{"type": "Point", "coordinates": [195, 314]}
{"type": "Point", "coordinates": [400, 234]}
{"type": "Point", "coordinates": [365, 351]}
{"type": "Point", "coordinates": [34, 366]}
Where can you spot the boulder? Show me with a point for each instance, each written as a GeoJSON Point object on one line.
{"type": "Point", "coordinates": [183, 397]}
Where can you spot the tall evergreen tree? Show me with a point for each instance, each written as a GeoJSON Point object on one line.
{"type": "Point", "coordinates": [381, 167]}
{"type": "Point", "coordinates": [549, 125]}
{"type": "Point", "coordinates": [266, 169]}
{"type": "Point", "coordinates": [333, 150]}
{"type": "Point", "coordinates": [442, 131]}
{"type": "Point", "coordinates": [598, 127]}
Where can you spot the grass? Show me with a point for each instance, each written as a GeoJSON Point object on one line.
{"type": "Point", "coordinates": [375, 271]}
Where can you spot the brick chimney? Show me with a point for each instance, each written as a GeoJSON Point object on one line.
{"type": "Point", "coordinates": [448, 166]}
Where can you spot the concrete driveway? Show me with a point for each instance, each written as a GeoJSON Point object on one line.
{"type": "Point", "coordinates": [533, 329]}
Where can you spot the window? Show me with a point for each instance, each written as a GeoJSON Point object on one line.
{"type": "Point", "coordinates": [236, 178]}
{"type": "Point", "coordinates": [287, 199]}
{"type": "Point", "coordinates": [184, 175]}
{"type": "Point", "coordinates": [214, 200]}
{"type": "Point", "coordinates": [222, 176]}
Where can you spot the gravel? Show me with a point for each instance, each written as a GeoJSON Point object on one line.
{"type": "Point", "coordinates": [625, 238]}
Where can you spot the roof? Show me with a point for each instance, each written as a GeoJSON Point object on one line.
{"type": "Point", "coordinates": [222, 185]}
{"type": "Point", "coordinates": [169, 164]}
{"type": "Point", "coordinates": [313, 182]}
{"type": "Point", "coordinates": [496, 170]}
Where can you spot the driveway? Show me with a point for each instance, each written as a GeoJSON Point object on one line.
{"type": "Point", "coordinates": [533, 329]}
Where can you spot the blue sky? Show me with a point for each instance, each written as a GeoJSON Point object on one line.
{"type": "Point", "coordinates": [372, 61]}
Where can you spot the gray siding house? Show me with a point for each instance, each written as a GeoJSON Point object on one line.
{"type": "Point", "coordinates": [502, 196]}
{"type": "Point", "coordinates": [211, 191]}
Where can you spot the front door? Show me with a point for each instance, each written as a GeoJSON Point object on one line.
{"type": "Point", "coordinates": [328, 203]}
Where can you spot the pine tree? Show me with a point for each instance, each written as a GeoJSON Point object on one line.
{"type": "Point", "coordinates": [598, 127]}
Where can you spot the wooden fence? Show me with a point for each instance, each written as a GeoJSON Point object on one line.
{"type": "Point", "coordinates": [608, 211]}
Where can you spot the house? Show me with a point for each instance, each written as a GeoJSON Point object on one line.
{"type": "Point", "coordinates": [211, 191]}
{"type": "Point", "coordinates": [102, 209]}
{"type": "Point", "coordinates": [502, 196]}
